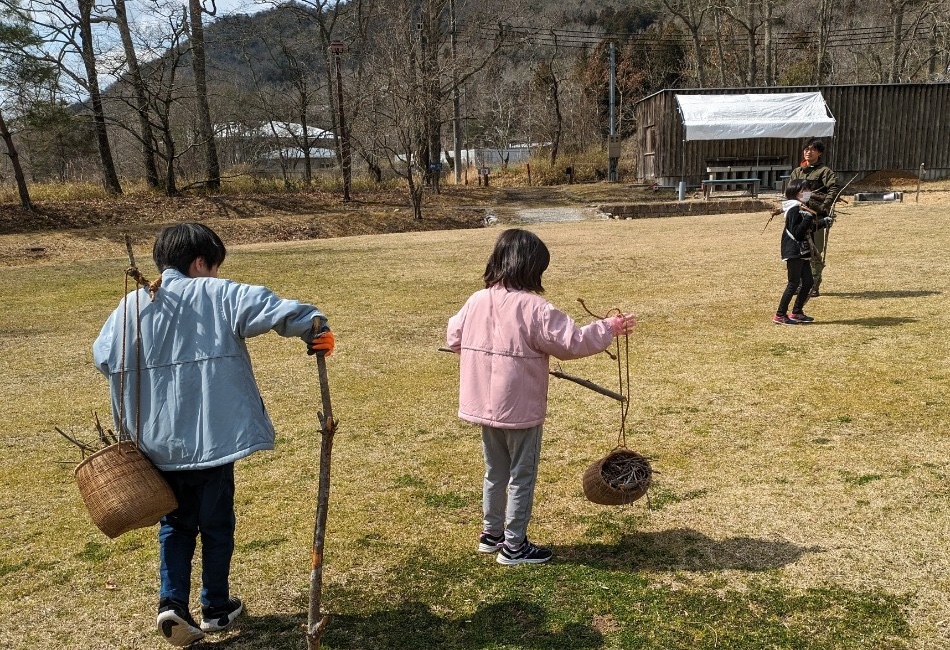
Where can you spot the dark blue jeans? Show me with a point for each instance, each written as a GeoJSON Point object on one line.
{"type": "Point", "coordinates": [206, 508]}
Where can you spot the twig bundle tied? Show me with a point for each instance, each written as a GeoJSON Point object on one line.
{"type": "Point", "coordinates": [104, 438]}
{"type": "Point", "coordinates": [619, 478]}
{"type": "Point", "coordinates": [627, 472]}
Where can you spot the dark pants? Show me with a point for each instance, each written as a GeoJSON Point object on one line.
{"type": "Point", "coordinates": [799, 275]}
{"type": "Point", "coordinates": [206, 508]}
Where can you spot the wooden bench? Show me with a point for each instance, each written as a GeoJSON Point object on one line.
{"type": "Point", "coordinates": [751, 183]}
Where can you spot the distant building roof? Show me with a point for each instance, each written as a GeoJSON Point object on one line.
{"type": "Point", "coordinates": [297, 152]}
{"type": "Point", "coordinates": [271, 129]}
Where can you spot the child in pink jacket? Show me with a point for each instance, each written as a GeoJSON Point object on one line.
{"type": "Point", "coordinates": [505, 334]}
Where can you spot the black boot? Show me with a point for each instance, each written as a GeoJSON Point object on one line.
{"type": "Point", "coordinates": [814, 293]}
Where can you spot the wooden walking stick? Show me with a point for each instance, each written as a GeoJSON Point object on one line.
{"type": "Point", "coordinates": [317, 622]}
{"type": "Point", "coordinates": [823, 254]}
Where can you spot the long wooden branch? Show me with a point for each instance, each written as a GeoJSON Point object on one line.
{"type": "Point", "coordinates": [589, 384]}
{"type": "Point", "coordinates": [577, 380]}
{"type": "Point", "coordinates": [317, 621]}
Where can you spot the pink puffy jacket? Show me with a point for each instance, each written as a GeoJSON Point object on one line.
{"type": "Point", "coordinates": [505, 339]}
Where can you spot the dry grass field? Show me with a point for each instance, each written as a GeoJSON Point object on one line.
{"type": "Point", "coordinates": [801, 502]}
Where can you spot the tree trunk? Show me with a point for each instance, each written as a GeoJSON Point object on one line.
{"type": "Point", "coordinates": [719, 49]}
{"type": "Point", "coordinates": [415, 190]}
{"type": "Point", "coordinates": [824, 20]}
{"type": "Point", "coordinates": [434, 101]}
{"type": "Point", "coordinates": [110, 177]}
{"type": "Point", "coordinates": [768, 46]}
{"type": "Point", "coordinates": [15, 161]}
{"type": "Point", "coordinates": [205, 128]}
{"type": "Point", "coordinates": [141, 99]}
{"type": "Point", "coordinates": [171, 185]}
{"type": "Point", "coordinates": [698, 53]}
{"type": "Point", "coordinates": [307, 165]}
{"type": "Point", "coordinates": [753, 71]}
{"type": "Point", "coordinates": [897, 23]}
{"type": "Point", "coordinates": [558, 117]}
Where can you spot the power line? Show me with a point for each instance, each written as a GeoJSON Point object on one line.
{"type": "Point", "coordinates": [786, 41]}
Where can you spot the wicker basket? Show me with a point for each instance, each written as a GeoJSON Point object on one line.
{"type": "Point", "coordinates": [123, 490]}
{"type": "Point", "coordinates": [598, 490]}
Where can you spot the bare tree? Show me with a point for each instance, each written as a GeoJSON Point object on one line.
{"type": "Point", "coordinates": [287, 81]}
{"type": "Point", "coordinates": [720, 50]}
{"type": "Point", "coordinates": [823, 18]}
{"type": "Point", "coordinates": [692, 13]}
{"type": "Point", "coordinates": [325, 14]}
{"type": "Point", "coordinates": [139, 94]}
{"type": "Point", "coordinates": [547, 78]}
{"type": "Point", "coordinates": [747, 14]}
{"type": "Point", "coordinates": [67, 32]}
{"type": "Point", "coordinates": [19, 63]}
{"type": "Point", "coordinates": [203, 108]}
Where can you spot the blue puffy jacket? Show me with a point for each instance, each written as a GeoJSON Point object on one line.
{"type": "Point", "coordinates": [200, 404]}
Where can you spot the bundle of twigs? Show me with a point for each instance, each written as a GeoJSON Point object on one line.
{"type": "Point", "coordinates": [104, 438]}
{"type": "Point", "coordinates": [627, 472]}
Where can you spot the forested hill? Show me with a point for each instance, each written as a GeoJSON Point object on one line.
{"type": "Point", "coordinates": [246, 48]}
{"type": "Point", "coordinates": [661, 43]}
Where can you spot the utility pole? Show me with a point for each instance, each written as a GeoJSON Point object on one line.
{"type": "Point", "coordinates": [456, 102]}
{"type": "Point", "coordinates": [337, 48]}
{"type": "Point", "coordinates": [613, 140]}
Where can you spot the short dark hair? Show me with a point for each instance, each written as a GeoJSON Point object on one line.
{"type": "Point", "coordinates": [179, 245]}
{"type": "Point", "coordinates": [794, 187]}
{"type": "Point", "coordinates": [815, 144]}
{"type": "Point", "coordinates": [517, 262]}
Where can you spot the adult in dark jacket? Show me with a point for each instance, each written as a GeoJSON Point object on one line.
{"type": "Point", "coordinates": [822, 182]}
{"type": "Point", "coordinates": [801, 222]}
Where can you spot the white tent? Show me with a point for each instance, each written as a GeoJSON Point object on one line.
{"type": "Point", "coordinates": [766, 115]}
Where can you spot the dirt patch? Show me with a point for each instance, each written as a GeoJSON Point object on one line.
{"type": "Point", "coordinates": [888, 178]}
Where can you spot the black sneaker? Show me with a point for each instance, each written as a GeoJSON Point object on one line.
{"type": "Point", "coordinates": [801, 318]}
{"type": "Point", "coordinates": [527, 553]}
{"type": "Point", "coordinates": [488, 543]}
{"type": "Point", "coordinates": [176, 624]}
{"type": "Point", "coordinates": [220, 618]}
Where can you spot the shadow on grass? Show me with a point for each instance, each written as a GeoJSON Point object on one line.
{"type": "Point", "coordinates": [684, 549]}
{"type": "Point", "coordinates": [873, 321]}
{"type": "Point", "coordinates": [509, 623]}
{"type": "Point", "coordinates": [879, 295]}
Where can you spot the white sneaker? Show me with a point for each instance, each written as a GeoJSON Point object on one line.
{"type": "Point", "coordinates": [176, 625]}
{"type": "Point", "coordinates": [220, 618]}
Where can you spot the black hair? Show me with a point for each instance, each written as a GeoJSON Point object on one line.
{"type": "Point", "coordinates": [795, 187]}
{"type": "Point", "coordinates": [815, 144]}
{"type": "Point", "coordinates": [519, 259]}
{"type": "Point", "coordinates": [180, 245]}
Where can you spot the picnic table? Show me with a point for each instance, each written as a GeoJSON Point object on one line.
{"type": "Point", "coordinates": [710, 183]}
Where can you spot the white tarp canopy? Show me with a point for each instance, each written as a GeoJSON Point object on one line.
{"type": "Point", "coordinates": [765, 115]}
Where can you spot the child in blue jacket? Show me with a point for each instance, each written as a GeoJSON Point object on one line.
{"type": "Point", "coordinates": [197, 408]}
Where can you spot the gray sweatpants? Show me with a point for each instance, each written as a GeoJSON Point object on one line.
{"type": "Point", "coordinates": [511, 472]}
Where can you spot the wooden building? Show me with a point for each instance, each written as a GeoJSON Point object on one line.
{"type": "Point", "coordinates": [878, 126]}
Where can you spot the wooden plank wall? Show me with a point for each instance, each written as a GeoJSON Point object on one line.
{"type": "Point", "coordinates": [879, 126]}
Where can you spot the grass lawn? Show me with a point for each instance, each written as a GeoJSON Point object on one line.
{"type": "Point", "coordinates": [802, 494]}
